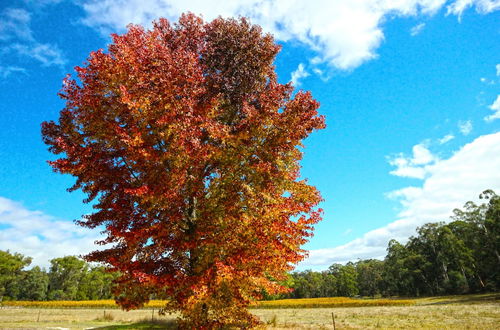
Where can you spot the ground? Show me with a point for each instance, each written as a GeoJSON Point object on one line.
{"type": "Point", "coordinates": [453, 312]}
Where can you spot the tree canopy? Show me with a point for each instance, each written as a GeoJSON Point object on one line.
{"type": "Point", "coordinates": [190, 148]}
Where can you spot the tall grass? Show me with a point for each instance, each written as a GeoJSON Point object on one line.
{"type": "Point", "coordinates": [283, 303]}
{"type": "Point", "coordinates": [331, 302]}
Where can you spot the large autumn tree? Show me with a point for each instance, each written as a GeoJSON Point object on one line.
{"type": "Point", "coordinates": [189, 149]}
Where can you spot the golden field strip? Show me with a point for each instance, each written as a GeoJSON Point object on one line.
{"type": "Point", "coordinates": [270, 304]}
{"type": "Point", "coordinates": [331, 302]}
{"type": "Point", "coordinates": [480, 311]}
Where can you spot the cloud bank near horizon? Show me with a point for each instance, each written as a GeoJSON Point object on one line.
{"type": "Point", "coordinates": [447, 184]}
{"type": "Point", "coordinates": [41, 236]}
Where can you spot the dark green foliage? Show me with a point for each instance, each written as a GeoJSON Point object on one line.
{"type": "Point", "coordinates": [34, 284]}
{"type": "Point", "coordinates": [65, 276]}
{"type": "Point", "coordinates": [370, 277]}
{"type": "Point", "coordinates": [346, 278]}
{"type": "Point", "coordinates": [95, 284]}
{"type": "Point", "coordinates": [69, 278]}
{"type": "Point", "coordinates": [11, 266]}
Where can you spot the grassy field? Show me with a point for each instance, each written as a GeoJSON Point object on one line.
{"type": "Point", "coordinates": [283, 303]}
{"type": "Point", "coordinates": [451, 312]}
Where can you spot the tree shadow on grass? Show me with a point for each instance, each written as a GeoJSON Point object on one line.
{"type": "Point", "coordinates": [467, 299]}
{"type": "Point", "coordinates": [157, 324]}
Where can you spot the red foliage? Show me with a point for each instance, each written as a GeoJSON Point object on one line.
{"type": "Point", "coordinates": [189, 148]}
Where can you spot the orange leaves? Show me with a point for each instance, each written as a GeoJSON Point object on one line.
{"type": "Point", "coordinates": [143, 190]}
{"type": "Point", "coordinates": [191, 147]}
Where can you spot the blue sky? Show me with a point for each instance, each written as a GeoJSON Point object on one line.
{"type": "Point", "coordinates": [410, 90]}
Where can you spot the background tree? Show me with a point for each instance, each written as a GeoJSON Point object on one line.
{"type": "Point", "coordinates": [11, 272]}
{"type": "Point", "coordinates": [191, 148]}
{"type": "Point", "coordinates": [65, 277]}
{"type": "Point", "coordinates": [346, 279]}
{"type": "Point", "coordinates": [96, 284]}
{"type": "Point", "coordinates": [370, 277]}
{"type": "Point", "coordinates": [34, 284]}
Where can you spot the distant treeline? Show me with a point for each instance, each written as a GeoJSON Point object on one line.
{"type": "Point", "coordinates": [459, 257]}
{"type": "Point", "coordinates": [68, 278]}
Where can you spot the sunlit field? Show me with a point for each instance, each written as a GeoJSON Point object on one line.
{"type": "Point", "coordinates": [451, 312]}
{"type": "Point", "coordinates": [283, 303]}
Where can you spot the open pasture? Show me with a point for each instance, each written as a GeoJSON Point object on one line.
{"type": "Point", "coordinates": [453, 312]}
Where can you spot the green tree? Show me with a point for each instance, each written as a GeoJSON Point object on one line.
{"type": "Point", "coordinates": [96, 284]}
{"type": "Point", "coordinates": [370, 277]}
{"type": "Point", "coordinates": [479, 227]}
{"type": "Point", "coordinates": [65, 276]}
{"type": "Point", "coordinates": [346, 279]}
{"type": "Point", "coordinates": [34, 284]}
{"type": "Point", "coordinates": [492, 233]}
{"type": "Point", "coordinates": [11, 272]}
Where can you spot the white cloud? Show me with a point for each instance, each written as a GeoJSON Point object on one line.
{"type": "Point", "coordinates": [496, 108]}
{"type": "Point", "coordinates": [498, 69]}
{"type": "Point", "coordinates": [16, 36]}
{"type": "Point", "coordinates": [445, 139]}
{"type": "Point", "coordinates": [6, 71]}
{"type": "Point", "coordinates": [14, 24]}
{"type": "Point", "coordinates": [41, 236]}
{"type": "Point", "coordinates": [451, 182]}
{"type": "Point", "coordinates": [415, 166]}
{"type": "Point", "coordinates": [46, 54]}
{"type": "Point", "coordinates": [417, 29]}
{"type": "Point", "coordinates": [487, 81]}
{"type": "Point", "coordinates": [482, 6]}
{"type": "Point", "coordinates": [299, 74]}
{"type": "Point", "coordinates": [342, 33]}
{"type": "Point", "coordinates": [465, 127]}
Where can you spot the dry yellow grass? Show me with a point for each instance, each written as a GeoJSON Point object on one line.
{"type": "Point", "coordinates": [452, 316]}
{"type": "Point", "coordinates": [332, 302]}
{"type": "Point", "coordinates": [76, 304]}
{"type": "Point", "coordinates": [485, 316]}
{"type": "Point", "coordinates": [68, 318]}
{"type": "Point", "coordinates": [452, 312]}
{"type": "Point", "coordinates": [283, 303]}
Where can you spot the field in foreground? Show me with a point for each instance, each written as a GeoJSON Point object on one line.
{"type": "Point", "coordinates": [453, 312]}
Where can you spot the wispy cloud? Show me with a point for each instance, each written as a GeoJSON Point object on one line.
{"type": "Point", "coordinates": [495, 107]}
{"type": "Point", "coordinates": [6, 71]}
{"type": "Point", "coordinates": [465, 127]}
{"type": "Point", "coordinates": [46, 54]}
{"type": "Point", "coordinates": [487, 81]}
{"type": "Point", "coordinates": [417, 29]}
{"type": "Point", "coordinates": [447, 138]}
{"type": "Point", "coordinates": [343, 33]}
{"type": "Point", "coordinates": [482, 6]}
{"type": "Point", "coordinates": [41, 236]}
{"type": "Point", "coordinates": [498, 69]}
{"type": "Point", "coordinates": [15, 25]}
{"type": "Point", "coordinates": [449, 184]}
{"type": "Point", "coordinates": [298, 74]}
{"type": "Point", "coordinates": [16, 36]}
